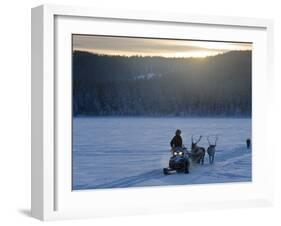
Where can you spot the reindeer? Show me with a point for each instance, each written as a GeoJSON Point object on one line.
{"type": "Point", "coordinates": [211, 150]}
{"type": "Point", "coordinates": [197, 152]}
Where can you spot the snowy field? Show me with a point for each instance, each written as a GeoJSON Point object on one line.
{"type": "Point", "coordinates": [111, 152]}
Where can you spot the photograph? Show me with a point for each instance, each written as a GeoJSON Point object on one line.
{"type": "Point", "coordinates": [152, 111]}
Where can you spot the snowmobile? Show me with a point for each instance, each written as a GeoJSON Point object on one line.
{"type": "Point", "coordinates": [179, 162]}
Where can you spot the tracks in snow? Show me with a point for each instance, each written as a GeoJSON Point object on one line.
{"type": "Point", "coordinates": [222, 168]}
{"type": "Point", "coordinates": [129, 181]}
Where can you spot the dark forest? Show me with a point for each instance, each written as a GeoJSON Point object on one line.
{"type": "Point", "coordinates": [215, 86]}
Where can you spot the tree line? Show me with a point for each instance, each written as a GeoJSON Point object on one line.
{"type": "Point", "coordinates": [106, 85]}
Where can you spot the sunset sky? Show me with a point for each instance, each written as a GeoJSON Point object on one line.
{"type": "Point", "coordinates": [153, 47]}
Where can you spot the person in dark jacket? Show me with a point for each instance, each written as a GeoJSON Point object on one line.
{"type": "Point", "coordinates": [177, 140]}
{"type": "Point", "coordinates": [248, 142]}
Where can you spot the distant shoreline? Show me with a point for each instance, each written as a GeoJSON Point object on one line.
{"type": "Point", "coordinates": [163, 116]}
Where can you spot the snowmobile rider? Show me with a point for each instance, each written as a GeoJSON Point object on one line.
{"type": "Point", "coordinates": [176, 142]}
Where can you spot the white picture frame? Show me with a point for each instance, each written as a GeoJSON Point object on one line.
{"type": "Point", "coordinates": [52, 197]}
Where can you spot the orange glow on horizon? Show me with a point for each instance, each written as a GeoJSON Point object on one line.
{"type": "Point", "coordinates": [106, 45]}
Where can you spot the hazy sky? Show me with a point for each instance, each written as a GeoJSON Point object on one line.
{"type": "Point", "coordinates": [153, 47]}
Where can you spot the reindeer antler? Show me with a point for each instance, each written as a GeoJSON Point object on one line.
{"type": "Point", "coordinates": [199, 139]}
{"type": "Point", "coordinates": [217, 137]}
{"type": "Point", "coordinates": [210, 143]}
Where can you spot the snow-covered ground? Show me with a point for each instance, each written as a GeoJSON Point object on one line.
{"type": "Point", "coordinates": [111, 152]}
